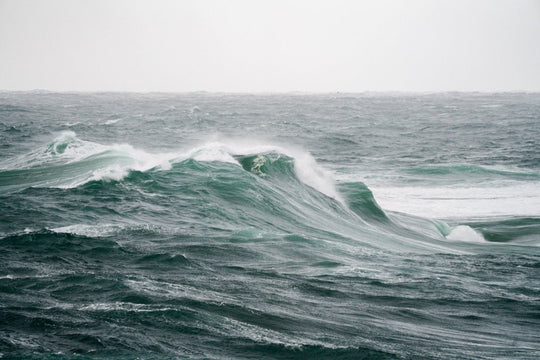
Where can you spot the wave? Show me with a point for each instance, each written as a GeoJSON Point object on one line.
{"type": "Point", "coordinates": [69, 162]}
{"type": "Point", "coordinates": [231, 186]}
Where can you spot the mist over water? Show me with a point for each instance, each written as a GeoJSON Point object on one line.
{"type": "Point", "coordinates": [269, 226]}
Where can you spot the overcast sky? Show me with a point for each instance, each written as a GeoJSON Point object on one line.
{"type": "Point", "coordinates": [249, 45]}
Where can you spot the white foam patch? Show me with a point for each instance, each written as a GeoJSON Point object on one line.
{"type": "Point", "coordinates": [213, 151]}
{"type": "Point", "coordinates": [112, 121]}
{"type": "Point", "coordinates": [509, 199]}
{"type": "Point", "coordinates": [115, 172]}
{"type": "Point", "coordinates": [89, 230]}
{"type": "Point", "coordinates": [465, 233]}
{"type": "Point", "coordinates": [69, 124]}
{"type": "Point", "coordinates": [112, 229]}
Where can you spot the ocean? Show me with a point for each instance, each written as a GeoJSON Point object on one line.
{"type": "Point", "coordinates": [269, 226]}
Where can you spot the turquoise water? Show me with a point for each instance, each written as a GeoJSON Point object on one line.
{"type": "Point", "coordinates": [212, 226]}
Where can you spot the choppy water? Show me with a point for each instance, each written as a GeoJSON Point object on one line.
{"type": "Point", "coordinates": [269, 226]}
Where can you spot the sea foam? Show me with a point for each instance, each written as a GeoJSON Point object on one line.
{"type": "Point", "coordinates": [465, 233]}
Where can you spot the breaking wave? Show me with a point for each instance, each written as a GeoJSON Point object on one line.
{"type": "Point", "coordinates": [269, 188]}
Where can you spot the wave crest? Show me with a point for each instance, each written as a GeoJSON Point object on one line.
{"type": "Point", "coordinates": [69, 162]}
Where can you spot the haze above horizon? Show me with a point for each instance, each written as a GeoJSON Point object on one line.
{"type": "Point", "coordinates": [270, 46]}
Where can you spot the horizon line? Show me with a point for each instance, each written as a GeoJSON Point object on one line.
{"type": "Point", "coordinates": [274, 92]}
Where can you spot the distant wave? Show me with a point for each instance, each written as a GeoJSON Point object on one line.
{"type": "Point", "coordinates": [468, 170]}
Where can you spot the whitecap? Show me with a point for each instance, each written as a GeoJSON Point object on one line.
{"type": "Point", "coordinates": [112, 121]}
{"type": "Point", "coordinates": [465, 233]}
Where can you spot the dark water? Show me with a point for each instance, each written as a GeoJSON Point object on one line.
{"type": "Point", "coordinates": [216, 226]}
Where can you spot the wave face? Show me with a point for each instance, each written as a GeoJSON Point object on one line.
{"type": "Point", "coordinates": [228, 226]}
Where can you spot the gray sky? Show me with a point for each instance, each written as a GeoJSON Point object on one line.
{"type": "Point", "coordinates": [248, 45]}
